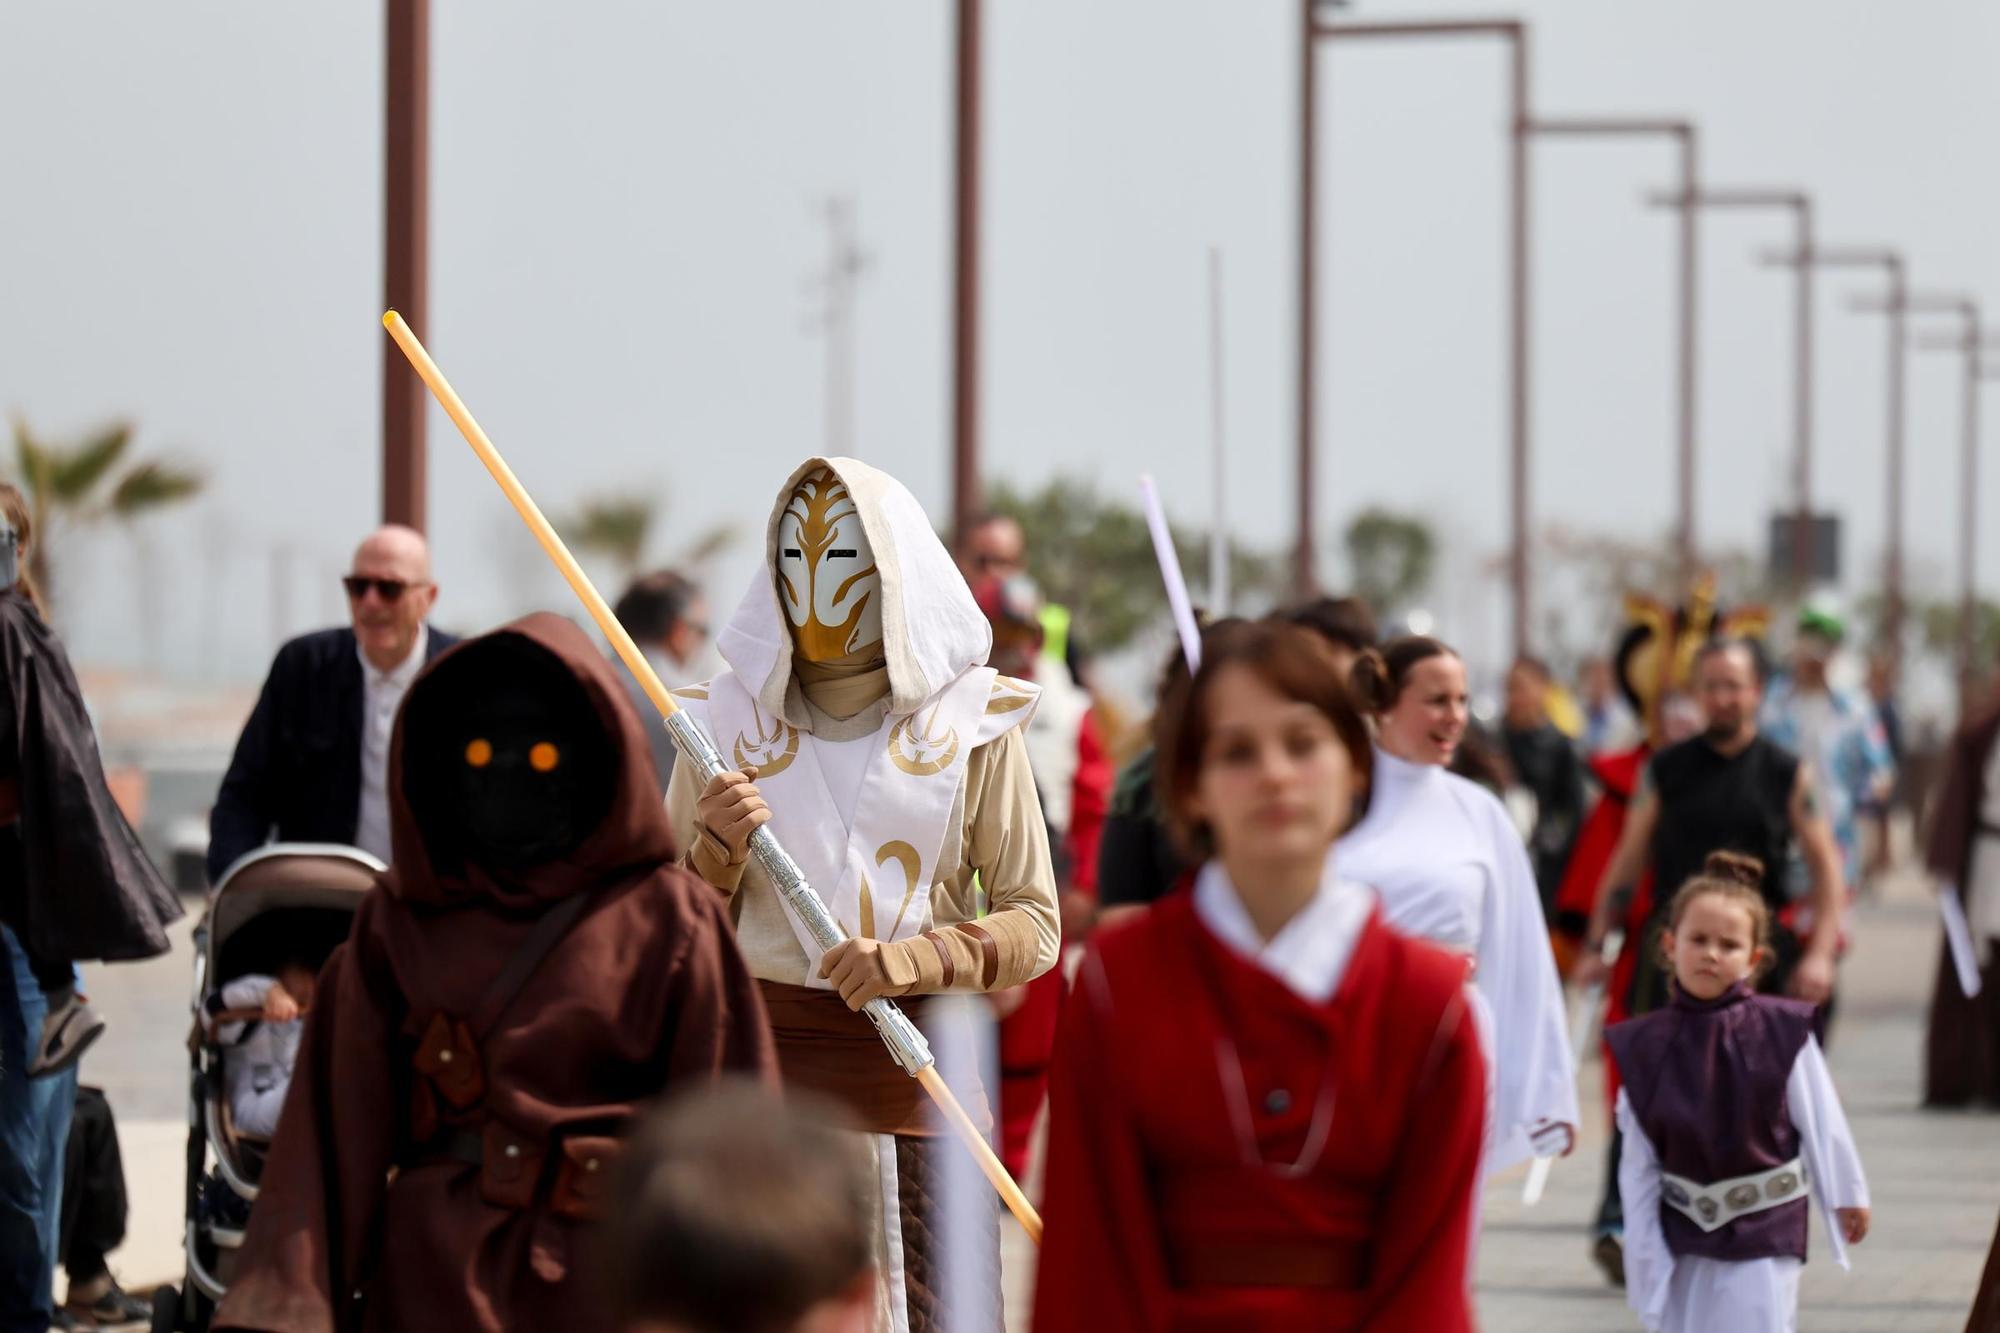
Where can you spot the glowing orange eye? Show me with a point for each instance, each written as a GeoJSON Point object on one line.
{"type": "Point", "coordinates": [479, 753]}
{"type": "Point", "coordinates": [544, 757]}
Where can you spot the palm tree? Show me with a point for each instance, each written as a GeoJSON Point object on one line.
{"type": "Point", "coordinates": [72, 486]}
{"type": "Point", "coordinates": [617, 525]}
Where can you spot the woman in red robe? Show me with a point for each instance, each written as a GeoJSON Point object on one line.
{"type": "Point", "coordinates": [1267, 1106]}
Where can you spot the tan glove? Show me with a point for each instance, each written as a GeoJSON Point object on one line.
{"type": "Point", "coordinates": [861, 970]}
{"type": "Point", "coordinates": [727, 812]}
{"type": "Point", "coordinates": [992, 953]}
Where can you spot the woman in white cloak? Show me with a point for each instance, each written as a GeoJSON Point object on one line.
{"type": "Point", "coordinates": [1449, 867]}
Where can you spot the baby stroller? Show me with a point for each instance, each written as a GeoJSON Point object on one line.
{"type": "Point", "coordinates": [293, 900]}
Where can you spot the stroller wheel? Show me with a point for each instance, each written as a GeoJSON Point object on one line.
{"type": "Point", "coordinates": [166, 1309]}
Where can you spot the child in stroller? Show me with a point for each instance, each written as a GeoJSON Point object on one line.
{"type": "Point", "coordinates": [272, 921]}
{"type": "Point", "coordinates": [258, 1020]}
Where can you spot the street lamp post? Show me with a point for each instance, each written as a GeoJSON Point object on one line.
{"type": "Point", "coordinates": [405, 250]}
{"type": "Point", "coordinates": [1896, 305]}
{"type": "Point", "coordinates": [965, 489]}
{"type": "Point", "coordinates": [1800, 205]}
{"type": "Point", "coordinates": [1967, 345]}
{"type": "Point", "coordinates": [1684, 133]}
{"type": "Point", "coordinates": [1515, 34]}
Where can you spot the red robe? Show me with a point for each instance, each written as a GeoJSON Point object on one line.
{"type": "Point", "coordinates": [1618, 776]}
{"type": "Point", "coordinates": [1156, 1220]}
{"type": "Point", "coordinates": [1028, 1035]}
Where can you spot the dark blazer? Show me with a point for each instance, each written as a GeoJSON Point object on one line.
{"type": "Point", "coordinates": [297, 767]}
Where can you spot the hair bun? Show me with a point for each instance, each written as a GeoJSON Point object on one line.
{"type": "Point", "coordinates": [1735, 867]}
{"type": "Point", "coordinates": [1368, 680]}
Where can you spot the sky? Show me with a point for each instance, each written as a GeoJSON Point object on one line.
{"type": "Point", "coordinates": [626, 226]}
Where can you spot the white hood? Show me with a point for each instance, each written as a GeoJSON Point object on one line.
{"type": "Point", "coordinates": [932, 630]}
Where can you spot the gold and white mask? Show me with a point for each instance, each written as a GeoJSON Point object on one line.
{"type": "Point", "coordinates": [828, 582]}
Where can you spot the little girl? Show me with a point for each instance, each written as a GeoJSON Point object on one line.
{"type": "Point", "coordinates": [1730, 1123]}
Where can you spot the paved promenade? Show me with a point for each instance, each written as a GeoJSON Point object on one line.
{"type": "Point", "coordinates": [1935, 1177]}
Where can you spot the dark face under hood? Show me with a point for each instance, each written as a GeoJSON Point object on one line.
{"type": "Point", "coordinates": [519, 772]}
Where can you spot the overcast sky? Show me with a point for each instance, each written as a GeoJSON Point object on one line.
{"type": "Point", "coordinates": [624, 226]}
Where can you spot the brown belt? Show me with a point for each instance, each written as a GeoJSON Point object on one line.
{"type": "Point", "coordinates": [827, 1047]}
{"type": "Point", "coordinates": [1206, 1263]}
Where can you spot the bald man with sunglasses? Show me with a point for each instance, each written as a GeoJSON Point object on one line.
{"type": "Point", "coordinates": [312, 763]}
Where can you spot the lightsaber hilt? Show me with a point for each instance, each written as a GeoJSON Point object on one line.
{"type": "Point", "coordinates": [905, 1041]}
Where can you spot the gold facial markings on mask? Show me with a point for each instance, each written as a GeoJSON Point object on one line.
{"type": "Point", "coordinates": [819, 506]}
{"type": "Point", "coordinates": [905, 856]}
{"type": "Point", "coordinates": [695, 692]}
{"type": "Point", "coordinates": [921, 753]}
{"type": "Point", "coordinates": [770, 753]}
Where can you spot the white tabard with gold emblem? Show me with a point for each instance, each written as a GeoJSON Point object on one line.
{"type": "Point", "coordinates": [867, 828]}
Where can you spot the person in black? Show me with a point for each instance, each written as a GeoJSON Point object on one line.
{"type": "Point", "coordinates": [1547, 764]}
{"type": "Point", "coordinates": [1137, 860]}
{"type": "Point", "coordinates": [1731, 789]}
{"type": "Point", "coordinates": [312, 763]}
{"type": "Point", "coordinates": [1726, 789]}
{"type": "Point", "coordinates": [94, 1212]}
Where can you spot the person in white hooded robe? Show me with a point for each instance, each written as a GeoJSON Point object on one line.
{"type": "Point", "coordinates": [1450, 867]}
{"type": "Point", "coordinates": [890, 762]}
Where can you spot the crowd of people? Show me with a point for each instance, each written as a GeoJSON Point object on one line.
{"type": "Point", "coordinates": [1276, 979]}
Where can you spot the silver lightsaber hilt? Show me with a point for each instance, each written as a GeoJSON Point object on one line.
{"type": "Point", "coordinates": [906, 1043]}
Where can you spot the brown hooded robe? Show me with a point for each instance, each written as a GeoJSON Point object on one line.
{"type": "Point", "coordinates": [367, 1219]}
{"type": "Point", "coordinates": [1962, 1047]}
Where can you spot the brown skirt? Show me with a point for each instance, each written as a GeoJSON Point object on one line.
{"type": "Point", "coordinates": [827, 1047]}
{"type": "Point", "coordinates": [1962, 1046]}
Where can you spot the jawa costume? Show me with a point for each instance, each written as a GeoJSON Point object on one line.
{"type": "Point", "coordinates": [894, 766]}
{"type": "Point", "coordinates": [531, 968]}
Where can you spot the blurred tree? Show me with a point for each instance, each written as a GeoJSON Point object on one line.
{"type": "Point", "coordinates": [1391, 556]}
{"type": "Point", "coordinates": [70, 486]}
{"type": "Point", "coordinates": [617, 526]}
{"type": "Point", "coordinates": [1095, 556]}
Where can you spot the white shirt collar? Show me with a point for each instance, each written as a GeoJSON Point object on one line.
{"type": "Point", "coordinates": [405, 671]}
{"type": "Point", "coordinates": [1310, 953]}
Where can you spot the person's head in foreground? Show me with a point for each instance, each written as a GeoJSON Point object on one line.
{"type": "Point", "coordinates": [1261, 752]}
{"type": "Point", "coordinates": [1718, 926]}
{"type": "Point", "coordinates": [1415, 687]}
{"type": "Point", "coordinates": [736, 1212]}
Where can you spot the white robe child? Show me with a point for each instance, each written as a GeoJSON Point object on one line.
{"type": "Point", "coordinates": [1686, 1294]}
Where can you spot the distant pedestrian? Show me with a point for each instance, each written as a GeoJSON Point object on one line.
{"type": "Point", "coordinates": [667, 616]}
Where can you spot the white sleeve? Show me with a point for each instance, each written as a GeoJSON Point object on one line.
{"type": "Point", "coordinates": [1516, 972]}
{"type": "Point", "coordinates": [1831, 1159]}
{"type": "Point", "coordinates": [1649, 1264]}
{"type": "Point", "coordinates": [246, 992]}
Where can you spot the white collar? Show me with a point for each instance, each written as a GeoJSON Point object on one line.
{"type": "Point", "coordinates": [1310, 952]}
{"type": "Point", "coordinates": [400, 676]}
{"type": "Point", "coordinates": [1390, 767]}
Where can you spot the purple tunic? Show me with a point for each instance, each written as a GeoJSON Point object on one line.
{"type": "Point", "coordinates": [1706, 1079]}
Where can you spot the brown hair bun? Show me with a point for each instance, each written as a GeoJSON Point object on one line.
{"type": "Point", "coordinates": [1368, 679]}
{"type": "Point", "coordinates": [1735, 867]}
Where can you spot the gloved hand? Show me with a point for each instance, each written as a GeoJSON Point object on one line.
{"type": "Point", "coordinates": [730, 810]}
{"type": "Point", "coordinates": [861, 970]}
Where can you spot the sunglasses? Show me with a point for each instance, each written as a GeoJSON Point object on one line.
{"type": "Point", "coordinates": [388, 590]}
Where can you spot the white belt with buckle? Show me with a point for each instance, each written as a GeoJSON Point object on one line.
{"type": "Point", "coordinates": [1723, 1201]}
